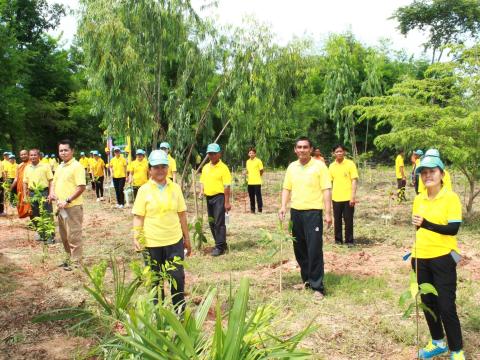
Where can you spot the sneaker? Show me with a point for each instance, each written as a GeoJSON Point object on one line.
{"type": "Point", "coordinates": [433, 348]}
{"type": "Point", "coordinates": [117, 206]}
{"type": "Point", "coordinates": [101, 199]}
{"type": "Point", "coordinates": [457, 355]}
{"type": "Point", "coordinates": [217, 252]}
{"type": "Point", "coordinates": [3, 214]}
{"type": "Point", "coordinates": [98, 199]}
{"type": "Point", "coordinates": [121, 206]}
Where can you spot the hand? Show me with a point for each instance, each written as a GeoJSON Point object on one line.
{"type": "Point", "coordinates": [417, 220]}
{"type": "Point", "coordinates": [281, 213]}
{"type": "Point", "coordinates": [187, 245]}
{"type": "Point", "coordinates": [352, 202]}
{"type": "Point", "coordinates": [51, 197]}
{"type": "Point", "coordinates": [61, 204]}
{"type": "Point", "coordinates": [328, 220]}
{"type": "Point", "coordinates": [137, 245]}
{"type": "Point", "coordinates": [227, 207]}
{"type": "Point", "coordinates": [200, 194]}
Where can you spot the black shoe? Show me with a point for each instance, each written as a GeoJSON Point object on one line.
{"type": "Point", "coordinates": [218, 252]}
{"type": "Point", "coordinates": [259, 210]}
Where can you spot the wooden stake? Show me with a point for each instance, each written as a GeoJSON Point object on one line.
{"type": "Point", "coordinates": [195, 193]}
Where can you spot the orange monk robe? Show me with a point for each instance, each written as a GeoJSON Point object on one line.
{"type": "Point", "coordinates": [23, 209]}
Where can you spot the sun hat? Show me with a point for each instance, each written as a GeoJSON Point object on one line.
{"type": "Point", "coordinates": [140, 152]}
{"type": "Point", "coordinates": [432, 152]}
{"type": "Point", "coordinates": [418, 152]}
{"type": "Point", "coordinates": [158, 157]}
{"type": "Point", "coordinates": [213, 148]}
{"type": "Point", "coordinates": [165, 145]}
{"type": "Point", "coordinates": [430, 162]}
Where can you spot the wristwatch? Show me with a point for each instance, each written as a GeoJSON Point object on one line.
{"type": "Point", "coordinates": [68, 201]}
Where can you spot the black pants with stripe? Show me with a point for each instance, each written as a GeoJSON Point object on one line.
{"type": "Point", "coordinates": [441, 272]}
{"type": "Point", "coordinates": [99, 186]}
{"type": "Point", "coordinates": [308, 246]}
{"type": "Point", "coordinates": [119, 184]}
{"type": "Point", "coordinates": [255, 191]}
{"type": "Point", "coordinates": [216, 220]}
{"type": "Point", "coordinates": [158, 257]}
{"type": "Point", "coordinates": [342, 211]}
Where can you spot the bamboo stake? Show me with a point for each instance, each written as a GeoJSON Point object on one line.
{"type": "Point", "coordinates": [195, 193]}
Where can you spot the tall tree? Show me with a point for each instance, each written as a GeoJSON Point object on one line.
{"type": "Point", "coordinates": [446, 21]}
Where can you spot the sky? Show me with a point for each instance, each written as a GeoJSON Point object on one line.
{"type": "Point", "coordinates": [366, 19]}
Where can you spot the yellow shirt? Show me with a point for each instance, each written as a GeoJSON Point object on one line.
{"type": "Point", "coordinates": [341, 175]}
{"type": "Point", "coordinates": [84, 162]}
{"type": "Point", "coordinates": [67, 178]}
{"type": "Point", "coordinates": [306, 183]}
{"type": "Point", "coordinates": [98, 168]}
{"type": "Point", "coordinates": [91, 164]}
{"type": "Point", "coordinates": [118, 166]}
{"type": "Point", "coordinates": [443, 209]}
{"type": "Point", "coordinates": [253, 171]}
{"type": "Point", "coordinates": [172, 166]}
{"type": "Point", "coordinates": [140, 171]}
{"type": "Point", "coordinates": [45, 161]}
{"type": "Point", "coordinates": [447, 182]}
{"type": "Point", "coordinates": [12, 170]}
{"type": "Point", "coordinates": [398, 164]}
{"type": "Point", "coordinates": [53, 164]}
{"type": "Point", "coordinates": [37, 176]}
{"type": "Point", "coordinates": [215, 177]}
{"type": "Point", "coordinates": [160, 208]}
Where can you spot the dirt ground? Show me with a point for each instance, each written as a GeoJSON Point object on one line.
{"type": "Point", "coordinates": [358, 319]}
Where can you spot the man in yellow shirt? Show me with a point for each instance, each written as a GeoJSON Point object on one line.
{"type": "Point", "coordinates": [215, 183]}
{"type": "Point", "coordinates": [254, 180]}
{"type": "Point", "coordinates": [91, 165]}
{"type": "Point", "coordinates": [400, 175]}
{"type": "Point", "coordinates": [417, 154]}
{"type": "Point", "coordinates": [98, 173]}
{"type": "Point", "coordinates": [44, 158]}
{"type": "Point", "coordinates": [11, 175]}
{"type": "Point", "coordinates": [308, 183]}
{"type": "Point", "coordinates": [172, 164]}
{"type": "Point", "coordinates": [344, 176]}
{"type": "Point", "coordinates": [138, 171]}
{"type": "Point", "coordinates": [68, 186]}
{"type": "Point", "coordinates": [118, 171]}
{"type": "Point", "coordinates": [37, 187]}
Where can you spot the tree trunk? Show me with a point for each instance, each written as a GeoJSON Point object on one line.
{"type": "Point", "coordinates": [471, 196]}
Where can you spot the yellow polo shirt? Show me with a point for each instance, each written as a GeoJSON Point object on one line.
{"type": "Point", "coordinates": [53, 164]}
{"type": "Point", "coordinates": [67, 178]}
{"type": "Point", "coordinates": [45, 161]}
{"type": "Point", "coordinates": [443, 209]}
{"type": "Point", "coordinates": [98, 168]}
{"type": "Point", "coordinates": [215, 177]}
{"type": "Point", "coordinates": [306, 183]}
{"type": "Point", "coordinates": [139, 170]}
{"type": "Point", "coordinates": [398, 164]}
{"type": "Point", "coordinates": [84, 162]}
{"type": "Point", "coordinates": [118, 166]}
{"type": "Point", "coordinates": [253, 171]}
{"type": "Point", "coordinates": [37, 176]}
{"type": "Point", "coordinates": [12, 170]}
{"type": "Point", "coordinates": [172, 166]}
{"type": "Point", "coordinates": [91, 164]}
{"type": "Point", "coordinates": [341, 175]}
{"type": "Point", "coordinates": [447, 182]}
{"type": "Point", "coordinates": [160, 208]}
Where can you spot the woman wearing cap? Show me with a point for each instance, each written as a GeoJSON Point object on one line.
{"type": "Point", "coordinates": [98, 171]}
{"type": "Point", "coordinates": [138, 171]}
{"type": "Point", "coordinates": [172, 164]}
{"type": "Point", "coordinates": [160, 225]}
{"type": "Point", "coordinates": [437, 215]}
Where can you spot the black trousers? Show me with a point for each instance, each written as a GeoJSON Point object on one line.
{"type": "Point", "coordinates": [135, 191]}
{"type": "Point", "coordinates": [308, 246]}
{"type": "Point", "coordinates": [35, 206]}
{"type": "Point", "coordinates": [99, 186]}
{"type": "Point", "coordinates": [343, 211]}
{"type": "Point", "coordinates": [401, 189]}
{"type": "Point", "coordinates": [119, 184]}
{"type": "Point", "coordinates": [92, 180]}
{"type": "Point", "coordinates": [156, 258]}
{"type": "Point", "coordinates": [12, 193]}
{"type": "Point", "coordinates": [441, 272]}
{"type": "Point", "coordinates": [417, 180]}
{"type": "Point", "coordinates": [216, 220]}
{"type": "Point", "coordinates": [255, 191]}
{"type": "Point", "coordinates": [2, 206]}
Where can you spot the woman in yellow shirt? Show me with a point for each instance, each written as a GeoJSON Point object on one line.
{"type": "Point", "coordinates": [98, 171]}
{"type": "Point", "coordinates": [437, 214]}
{"type": "Point", "coordinates": [160, 226]}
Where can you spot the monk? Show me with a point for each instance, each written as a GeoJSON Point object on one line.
{"type": "Point", "coordinates": [22, 208]}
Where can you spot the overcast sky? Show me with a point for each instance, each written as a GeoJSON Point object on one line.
{"type": "Point", "coordinates": [367, 19]}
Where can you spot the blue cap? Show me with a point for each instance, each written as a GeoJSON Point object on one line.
{"type": "Point", "coordinates": [46, 156]}
{"type": "Point", "coordinates": [11, 156]}
{"type": "Point", "coordinates": [116, 148]}
{"type": "Point", "coordinates": [430, 162]}
{"type": "Point", "coordinates": [140, 152]}
{"type": "Point", "coordinates": [52, 156]}
{"type": "Point", "coordinates": [418, 152]}
{"type": "Point", "coordinates": [158, 157]}
{"type": "Point", "coordinates": [92, 151]}
{"type": "Point", "coordinates": [95, 152]}
{"type": "Point", "coordinates": [82, 153]}
{"type": "Point", "coordinates": [213, 148]}
{"type": "Point", "coordinates": [165, 145]}
{"type": "Point", "coordinates": [7, 153]}
{"type": "Point", "coordinates": [432, 152]}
